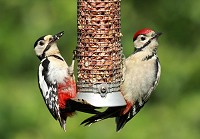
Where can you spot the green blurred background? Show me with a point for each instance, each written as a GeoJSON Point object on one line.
{"type": "Point", "coordinates": [173, 111]}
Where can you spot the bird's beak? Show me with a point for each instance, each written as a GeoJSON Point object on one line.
{"type": "Point", "coordinates": [157, 35]}
{"type": "Point", "coordinates": [57, 36]}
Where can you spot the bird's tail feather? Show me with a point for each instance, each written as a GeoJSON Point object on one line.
{"type": "Point", "coordinates": [123, 119]}
{"type": "Point", "coordinates": [80, 105]}
{"type": "Point", "coordinates": [109, 113]}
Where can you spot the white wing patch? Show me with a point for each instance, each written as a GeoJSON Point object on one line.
{"type": "Point", "coordinates": [49, 92]}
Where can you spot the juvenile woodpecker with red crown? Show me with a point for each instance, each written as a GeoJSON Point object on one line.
{"type": "Point", "coordinates": [56, 81]}
{"type": "Point", "coordinates": [141, 74]}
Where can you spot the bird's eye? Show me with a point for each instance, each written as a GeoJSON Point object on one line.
{"type": "Point", "coordinates": [41, 43]}
{"type": "Point", "coordinates": [50, 39]}
{"type": "Point", "coordinates": [143, 38]}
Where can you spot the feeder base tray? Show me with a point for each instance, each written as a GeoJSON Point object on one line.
{"type": "Point", "coordinates": [113, 99]}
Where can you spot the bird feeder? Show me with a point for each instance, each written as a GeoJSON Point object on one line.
{"type": "Point", "coordinates": [99, 52]}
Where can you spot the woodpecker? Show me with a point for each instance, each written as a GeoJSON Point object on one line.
{"type": "Point", "coordinates": [141, 75]}
{"type": "Point", "coordinates": [57, 82]}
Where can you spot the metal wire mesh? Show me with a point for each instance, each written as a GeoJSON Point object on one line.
{"type": "Point", "coordinates": [99, 50]}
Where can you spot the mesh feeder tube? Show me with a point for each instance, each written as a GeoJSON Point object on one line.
{"type": "Point", "coordinates": [99, 52]}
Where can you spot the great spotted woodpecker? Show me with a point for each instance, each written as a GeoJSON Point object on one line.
{"type": "Point", "coordinates": [141, 76]}
{"type": "Point", "coordinates": [56, 81]}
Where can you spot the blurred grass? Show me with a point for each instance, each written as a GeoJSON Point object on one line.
{"type": "Point", "coordinates": [173, 110]}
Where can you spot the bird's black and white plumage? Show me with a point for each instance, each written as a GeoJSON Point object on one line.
{"type": "Point", "coordinates": [56, 81]}
{"type": "Point", "coordinates": [141, 75]}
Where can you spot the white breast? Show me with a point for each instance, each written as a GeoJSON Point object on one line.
{"type": "Point", "coordinates": [139, 78]}
{"type": "Point", "coordinates": [58, 70]}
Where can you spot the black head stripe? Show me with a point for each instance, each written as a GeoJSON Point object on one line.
{"type": "Point", "coordinates": [146, 44]}
{"type": "Point", "coordinates": [36, 42]}
{"type": "Point", "coordinates": [141, 48]}
{"type": "Point", "coordinates": [47, 48]}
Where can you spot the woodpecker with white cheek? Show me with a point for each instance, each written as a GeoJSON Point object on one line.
{"type": "Point", "coordinates": [141, 76]}
{"type": "Point", "coordinates": [56, 81]}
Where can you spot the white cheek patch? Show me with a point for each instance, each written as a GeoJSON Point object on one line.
{"type": "Point", "coordinates": [39, 50]}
